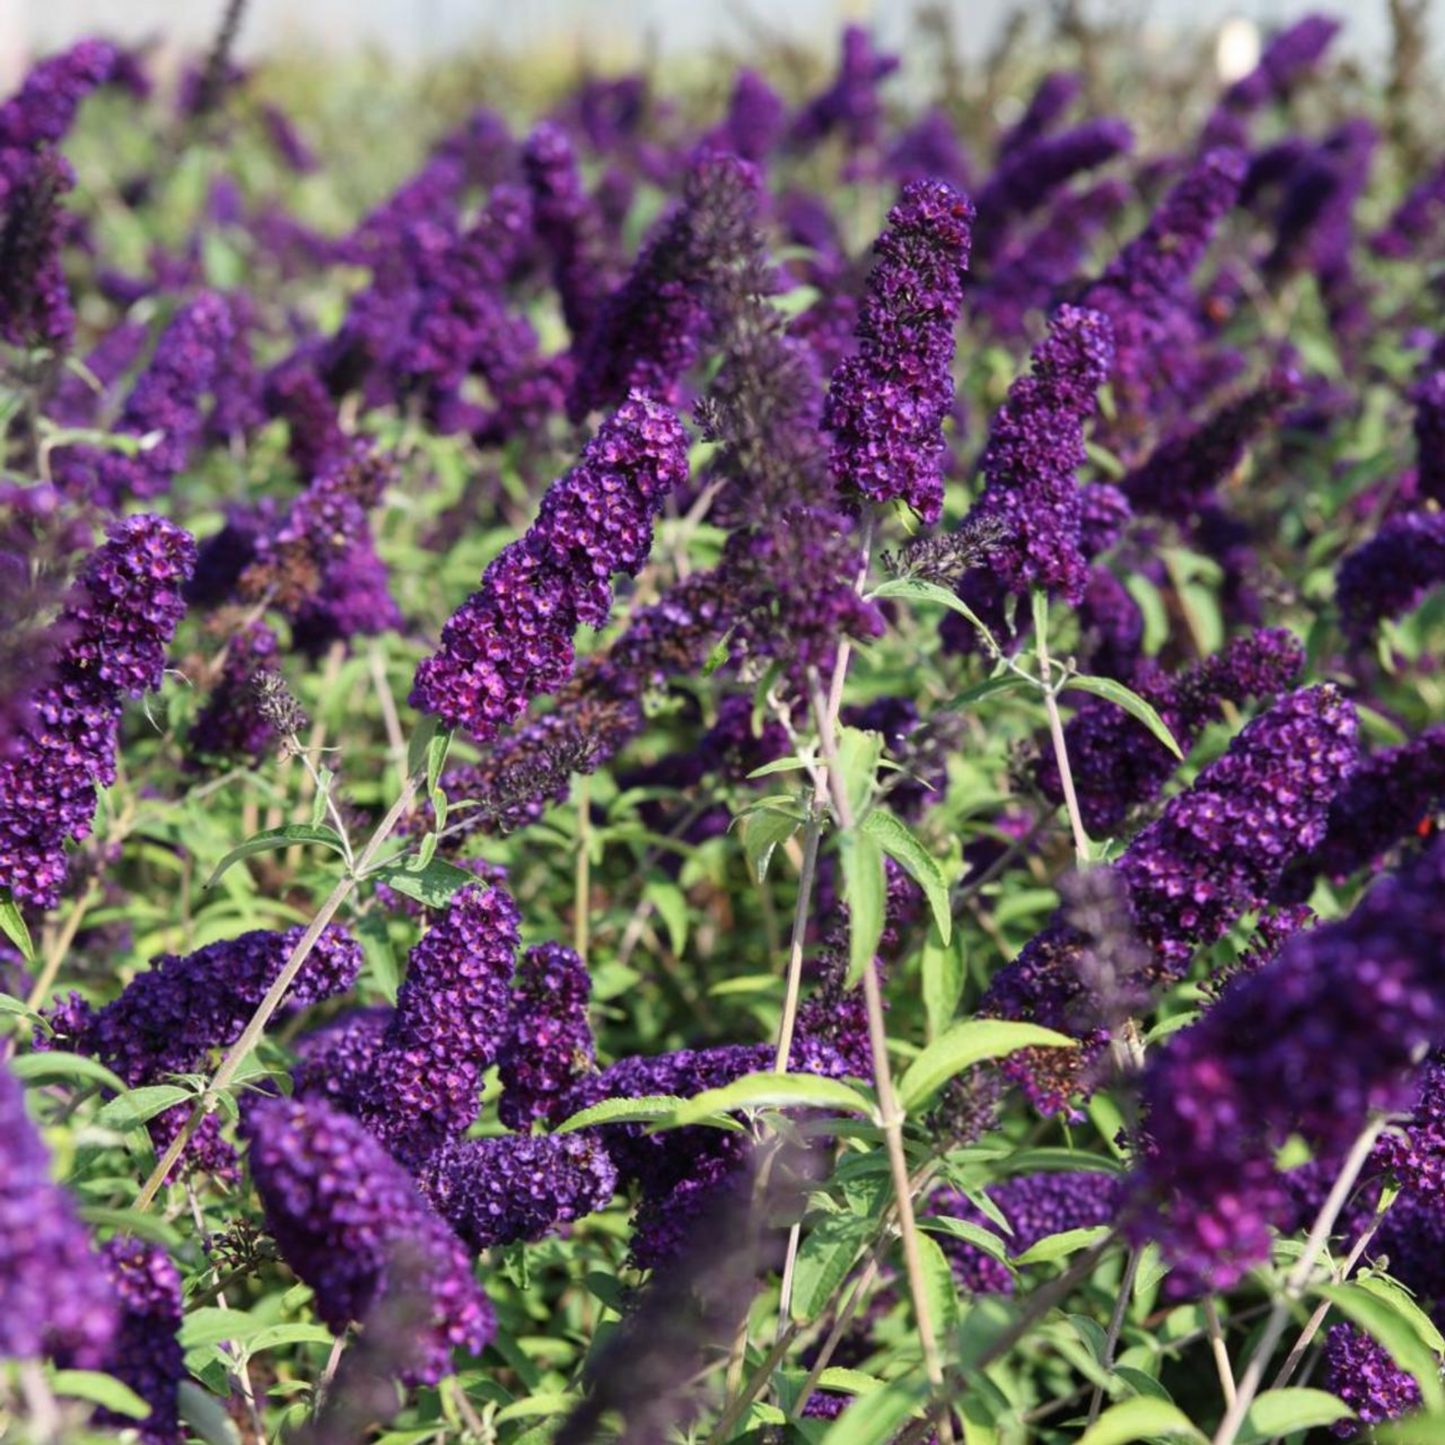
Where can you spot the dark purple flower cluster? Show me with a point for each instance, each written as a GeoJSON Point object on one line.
{"type": "Point", "coordinates": [549, 1039]}
{"type": "Point", "coordinates": [1414, 1154]}
{"type": "Point", "coordinates": [1309, 1045]}
{"type": "Point", "coordinates": [651, 329]}
{"type": "Point", "coordinates": [1116, 766]}
{"type": "Point", "coordinates": [1027, 177]}
{"type": "Point", "coordinates": [930, 150]}
{"type": "Point", "coordinates": [1366, 1378]}
{"type": "Point", "coordinates": [145, 1353]}
{"type": "Point", "coordinates": [1387, 576]}
{"type": "Point", "coordinates": [1049, 103]}
{"type": "Point", "coordinates": [568, 226]}
{"type": "Point", "coordinates": [163, 417]}
{"type": "Point", "coordinates": [1034, 450]}
{"type": "Point", "coordinates": [1036, 1206]}
{"type": "Point", "coordinates": [1181, 474]}
{"type": "Point", "coordinates": [1387, 800]}
{"type": "Point", "coordinates": [754, 120]}
{"type": "Point", "coordinates": [294, 392]}
{"type": "Point", "coordinates": [231, 726]}
{"type": "Point", "coordinates": [337, 1061]}
{"type": "Point", "coordinates": [352, 1224]}
{"type": "Point", "coordinates": [1428, 394]}
{"type": "Point", "coordinates": [1218, 850]}
{"type": "Point", "coordinates": [43, 109]}
{"type": "Point", "coordinates": [886, 405]}
{"type": "Point", "coordinates": [117, 622]}
{"type": "Point", "coordinates": [35, 307]}
{"type": "Point", "coordinates": [1415, 221]}
{"type": "Point", "coordinates": [54, 1296]}
{"type": "Point", "coordinates": [518, 1188]}
{"type": "Point", "coordinates": [512, 639]}
{"type": "Point", "coordinates": [851, 107]}
{"type": "Point", "coordinates": [451, 1018]}
{"type": "Point", "coordinates": [1291, 54]}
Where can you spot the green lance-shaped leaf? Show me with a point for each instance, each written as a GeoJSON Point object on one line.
{"type": "Point", "coordinates": [967, 1044]}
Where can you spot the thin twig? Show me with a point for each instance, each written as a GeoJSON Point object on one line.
{"type": "Point", "coordinates": [1116, 1326]}
{"type": "Point", "coordinates": [1220, 1351]}
{"type": "Point", "coordinates": [1061, 754]}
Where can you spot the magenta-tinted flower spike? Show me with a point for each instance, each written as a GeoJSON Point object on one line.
{"type": "Point", "coordinates": [1181, 474]}
{"type": "Point", "coordinates": [146, 1355]}
{"type": "Point", "coordinates": [1218, 850]}
{"type": "Point", "coordinates": [650, 330]}
{"type": "Point", "coordinates": [451, 1018]}
{"type": "Point", "coordinates": [118, 621]}
{"type": "Point", "coordinates": [754, 122]}
{"type": "Point", "coordinates": [1027, 177]}
{"type": "Point", "coordinates": [1035, 449]}
{"type": "Point", "coordinates": [166, 406]}
{"type": "Point", "coordinates": [1310, 1045]}
{"type": "Point", "coordinates": [1116, 767]}
{"type": "Point", "coordinates": [512, 639]}
{"type": "Point", "coordinates": [851, 106]}
{"type": "Point", "coordinates": [549, 1043]}
{"type": "Point", "coordinates": [887, 404]}
{"type": "Point", "coordinates": [54, 1297]}
{"type": "Point", "coordinates": [1390, 574]}
{"type": "Point", "coordinates": [1036, 1206]}
{"type": "Point", "coordinates": [351, 1223]}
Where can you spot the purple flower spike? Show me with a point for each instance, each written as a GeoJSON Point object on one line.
{"type": "Point", "coordinates": [118, 621]}
{"type": "Point", "coordinates": [1366, 1378]}
{"type": "Point", "coordinates": [886, 405]}
{"type": "Point", "coordinates": [549, 1044]}
{"type": "Point", "coordinates": [54, 1296]}
{"type": "Point", "coordinates": [512, 639]}
{"type": "Point", "coordinates": [351, 1223]}
{"type": "Point", "coordinates": [146, 1354]}
{"type": "Point", "coordinates": [1052, 97]}
{"type": "Point", "coordinates": [1390, 574]}
{"type": "Point", "coordinates": [1310, 1045]}
{"type": "Point", "coordinates": [450, 1020]}
{"type": "Point", "coordinates": [518, 1188]}
{"type": "Point", "coordinates": [43, 109]}
{"type": "Point", "coordinates": [1034, 450]}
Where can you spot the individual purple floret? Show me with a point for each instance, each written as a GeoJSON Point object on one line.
{"type": "Point", "coordinates": [1030, 175]}
{"type": "Point", "coordinates": [1310, 1045]}
{"type": "Point", "coordinates": [1036, 1206]}
{"type": "Point", "coordinates": [851, 106]}
{"type": "Point", "coordinates": [650, 330]}
{"type": "Point", "coordinates": [1366, 1378]}
{"type": "Point", "coordinates": [145, 1353]}
{"type": "Point", "coordinates": [1116, 766]}
{"type": "Point", "coordinates": [1183, 471]}
{"type": "Point", "coordinates": [54, 1297]}
{"type": "Point", "coordinates": [1388, 576]}
{"type": "Point", "coordinates": [886, 405]}
{"type": "Point", "coordinates": [350, 1222]}
{"type": "Point", "coordinates": [451, 1018]}
{"type": "Point", "coordinates": [1218, 850]}
{"type": "Point", "coordinates": [1031, 494]}
{"type": "Point", "coordinates": [512, 639]}
{"type": "Point", "coordinates": [1052, 97]}
{"type": "Point", "coordinates": [1387, 800]}
{"type": "Point", "coordinates": [518, 1188]}
{"type": "Point", "coordinates": [549, 1039]}
{"type": "Point", "coordinates": [117, 622]}
{"type": "Point", "coordinates": [164, 408]}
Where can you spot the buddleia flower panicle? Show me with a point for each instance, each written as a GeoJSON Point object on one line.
{"type": "Point", "coordinates": [851, 106]}
{"type": "Point", "coordinates": [1031, 494]}
{"type": "Point", "coordinates": [650, 330]}
{"type": "Point", "coordinates": [55, 1300]}
{"type": "Point", "coordinates": [886, 405]}
{"type": "Point", "coordinates": [164, 414]}
{"type": "Point", "coordinates": [1053, 95]}
{"type": "Point", "coordinates": [1389, 575]}
{"type": "Point", "coordinates": [146, 1354]}
{"type": "Point", "coordinates": [1218, 849]}
{"type": "Point", "coordinates": [117, 622]}
{"type": "Point", "coordinates": [518, 1188]}
{"type": "Point", "coordinates": [44, 108]}
{"type": "Point", "coordinates": [1035, 1206]}
{"type": "Point", "coordinates": [512, 639]}
{"type": "Point", "coordinates": [451, 1019]}
{"type": "Point", "coordinates": [1311, 1045]}
{"type": "Point", "coordinates": [1363, 1374]}
{"type": "Point", "coordinates": [755, 119]}
{"type": "Point", "coordinates": [549, 1042]}
{"type": "Point", "coordinates": [1292, 54]}
{"type": "Point", "coordinates": [35, 307]}
{"type": "Point", "coordinates": [930, 150]}
{"type": "Point", "coordinates": [350, 1222]}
